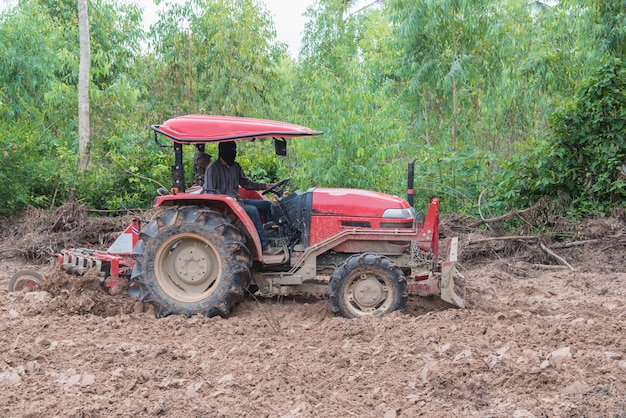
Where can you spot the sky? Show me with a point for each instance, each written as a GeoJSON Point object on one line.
{"type": "Point", "coordinates": [289, 20]}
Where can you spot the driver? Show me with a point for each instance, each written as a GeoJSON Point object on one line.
{"type": "Point", "coordinates": [224, 176]}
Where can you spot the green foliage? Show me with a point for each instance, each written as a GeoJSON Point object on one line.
{"type": "Point", "coordinates": [368, 138]}
{"type": "Point", "coordinates": [609, 26]}
{"type": "Point", "coordinates": [593, 135]}
{"type": "Point", "coordinates": [581, 162]}
{"type": "Point", "coordinates": [444, 61]}
{"type": "Point", "coordinates": [465, 86]}
{"type": "Point", "coordinates": [127, 181]}
{"type": "Point", "coordinates": [218, 57]}
{"type": "Point", "coordinates": [333, 92]}
{"type": "Point", "coordinates": [23, 174]}
{"type": "Point", "coordinates": [27, 59]}
{"type": "Point", "coordinates": [486, 74]}
{"type": "Point", "coordinates": [258, 161]}
{"type": "Point", "coordinates": [456, 177]}
{"type": "Point", "coordinates": [528, 175]}
{"type": "Point", "coordinates": [39, 61]}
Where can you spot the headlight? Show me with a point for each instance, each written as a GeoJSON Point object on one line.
{"type": "Point", "coordinates": [399, 213]}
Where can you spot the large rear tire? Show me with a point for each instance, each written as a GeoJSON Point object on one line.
{"type": "Point", "coordinates": [367, 285]}
{"type": "Point", "coordinates": [191, 260]}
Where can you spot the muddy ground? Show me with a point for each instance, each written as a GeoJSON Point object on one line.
{"type": "Point", "coordinates": [537, 339]}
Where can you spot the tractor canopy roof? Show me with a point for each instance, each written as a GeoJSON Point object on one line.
{"type": "Point", "coordinates": [203, 129]}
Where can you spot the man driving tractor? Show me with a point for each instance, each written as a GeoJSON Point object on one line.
{"type": "Point", "coordinates": [225, 175]}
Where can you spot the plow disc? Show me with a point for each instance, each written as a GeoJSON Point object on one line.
{"type": "Point", "coordinates": [28, 280]}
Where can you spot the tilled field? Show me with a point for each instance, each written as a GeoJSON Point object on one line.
{"type": "Point", "coordinates": [532, 343]}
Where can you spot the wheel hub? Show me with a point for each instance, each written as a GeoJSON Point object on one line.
{"type": "Point", "coordinates": [190, 265]}
{"type": "Point", "coordinates": [187, 267]}
{"type": "Point", "coordinates": [367, 292]}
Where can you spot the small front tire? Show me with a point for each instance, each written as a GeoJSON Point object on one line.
{"type": "Point", "coordinates": [367, 285]}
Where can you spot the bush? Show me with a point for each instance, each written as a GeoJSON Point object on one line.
{"type": "Point", "coordinates": [581, 162]}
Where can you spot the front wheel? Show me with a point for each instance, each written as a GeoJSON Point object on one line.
{"type": "Point", "coordinates": [367, 285]}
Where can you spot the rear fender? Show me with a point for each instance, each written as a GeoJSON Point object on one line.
{"type": "Point", "coordinates": [221, 203]}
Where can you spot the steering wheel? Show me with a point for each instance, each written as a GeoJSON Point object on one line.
{"type": "Point", "coordinates": [278, 189]}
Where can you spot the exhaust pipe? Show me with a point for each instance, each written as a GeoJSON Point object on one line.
{"type": "Point", "coordinates": [409, 184]}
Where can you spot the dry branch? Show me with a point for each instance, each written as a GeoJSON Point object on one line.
{"type": "Point", "coordinates": [505, 216]}
{"type": "Point", "coordinates": [505, 238]}
{"type": "Point", "coordinates": [548, 267]}
{"type": "Point", "coordinates": [480, 212]}
{"type": "Point", "coordinates": [575, 243]}
{"type": "Point", "coordinates": [556, 256]}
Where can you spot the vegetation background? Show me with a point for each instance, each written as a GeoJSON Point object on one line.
{"type": "Point", "coordinates": [512, 101]}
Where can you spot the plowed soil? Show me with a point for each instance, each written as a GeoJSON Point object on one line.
{"type": "Point", "coordinates": [537, 340]}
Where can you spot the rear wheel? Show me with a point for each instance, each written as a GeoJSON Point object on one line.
{"type": "Point", "coordinates": [191, 260]}
{"type": "Point", "coordinates": [367, 285]}
{"type": "Point", "coordinates": [28, 280]}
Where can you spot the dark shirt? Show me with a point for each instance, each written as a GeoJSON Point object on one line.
{"type": "Point", "coordinates": [225, 179]}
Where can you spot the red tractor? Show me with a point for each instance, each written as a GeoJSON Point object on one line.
{"type": "Point", "coordinates": [365, 250]}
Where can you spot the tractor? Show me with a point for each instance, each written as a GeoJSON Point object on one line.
{"type": "Point", "coordinates": [365, 251]}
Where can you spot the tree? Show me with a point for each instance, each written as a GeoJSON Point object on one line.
{"type": "Point", "coordinates": [442, 57]}
{"type": "Point", "coordinates": [28, 42]}
{"type": "Point", "coordinates": [336, 90]}
{"type": "Point", "coordinates": [83, 86]}
{"type": "Point", "coordinates": [611, 26]}
{"type": "Point", "coordinates": [581, 162]}
{"type": "Point", "coordinates": [39, 66]}
{"type": "Point", "coordinates": [217, 56]}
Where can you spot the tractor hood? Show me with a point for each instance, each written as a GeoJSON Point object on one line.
{"type": "Point", "coordinates": [202, 129]}
{"type": "Point", "coordinates": [359, 203]}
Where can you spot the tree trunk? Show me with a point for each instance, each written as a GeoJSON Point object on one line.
{"type": "Point", "coordinates": [84, 129]}
{"type": "Point", "coordinates": [454, 112]}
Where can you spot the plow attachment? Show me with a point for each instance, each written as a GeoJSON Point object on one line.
{"type": "Point", "coordinates": [114, 266]}
{"type": "Point", "coordinates": [452, 281]}
{"type": "Point", "coordinates": [448, 284]}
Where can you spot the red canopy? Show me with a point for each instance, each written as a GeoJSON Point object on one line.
{"type": "Point", "coordinates": [201, 129]}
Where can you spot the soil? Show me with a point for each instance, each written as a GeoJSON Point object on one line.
{"type": "Point", "coordinates": [537, 339]}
